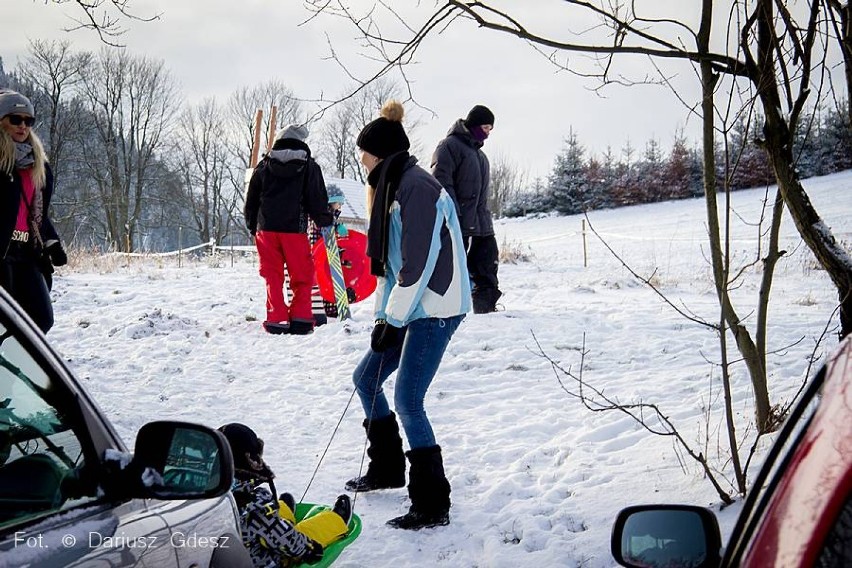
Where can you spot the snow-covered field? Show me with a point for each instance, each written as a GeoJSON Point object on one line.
{"type": "Point", "coordinates": [537, 479]}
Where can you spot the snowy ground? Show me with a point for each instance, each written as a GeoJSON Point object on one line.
{"type": "Point", "coordinates": [537, 479]}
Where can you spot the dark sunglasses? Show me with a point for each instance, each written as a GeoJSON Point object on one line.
{"type": "Point", "coordinates": [17, 120]}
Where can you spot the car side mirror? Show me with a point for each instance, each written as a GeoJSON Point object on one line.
{"type": "Point", "coordinates": [181, 460]}
{"type": "Point", "coordinates": [650, 536]}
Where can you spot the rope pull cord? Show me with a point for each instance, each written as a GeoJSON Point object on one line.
{"type": "Point", "coordinates": [334, 433]}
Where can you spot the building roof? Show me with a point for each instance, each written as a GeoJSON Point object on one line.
{"type": "Point", "coordinates": [355, 206]}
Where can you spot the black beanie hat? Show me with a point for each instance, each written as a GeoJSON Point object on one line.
{"type": "Point", "coordinates": [243, 440]}
{"type": "Point", "coordinates": [478, 116]}
{"type": "Point", "coordinates": [385, 135]}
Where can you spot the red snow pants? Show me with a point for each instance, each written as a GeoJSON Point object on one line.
{"type": "Point", "coordinates": [291, 250]}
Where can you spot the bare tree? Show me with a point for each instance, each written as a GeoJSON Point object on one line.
{"type": "Point", "coordinates": [246, 101]}
{"type": "Point", "coordinates": [337, 152]}
{"type": "Point", "coordinates": [132, 101]}
{"type": "Point", "coordinates": [202, 159]}
{"type": "Point", "coordinates": [841, 22]}
{"type": "Point", "coordinates": [55, 70]}
{"type": "Point", "coordinates": [507, 181]}
{"type": "Point", "coordinates": [243, 104]}
{"type": "Point", "coordinates": [779, 55]}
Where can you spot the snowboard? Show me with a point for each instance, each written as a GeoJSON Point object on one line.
{"type": "Point", "coordinates": [335, 267]}
{"type": "Point", "coordinates": [358, 282]}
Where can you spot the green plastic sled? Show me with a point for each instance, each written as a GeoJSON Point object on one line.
{"type": "Point", "coordinates": [333, 550]}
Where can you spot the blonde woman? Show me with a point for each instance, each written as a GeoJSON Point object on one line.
{"type": "Point", "coordinates": [29, 244]}
{"type": "Point", "coordinates": [416, 251]}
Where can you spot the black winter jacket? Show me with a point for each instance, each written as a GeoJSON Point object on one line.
{"type": "Point", "coordinates": [10, 202]}
{"type": "Point", "coordinates": [286, 187]}
{"type": "Point", "coordinates": [463, 169]}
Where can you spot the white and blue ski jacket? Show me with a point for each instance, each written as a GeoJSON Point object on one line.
{"type": "Point", "coordinates": [426, 271]}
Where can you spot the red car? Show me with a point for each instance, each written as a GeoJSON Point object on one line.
{"type": "Point", "coordinates": [799, 512]}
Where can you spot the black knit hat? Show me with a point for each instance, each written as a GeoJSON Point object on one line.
{"type": "Point", "coordinates": [245, 446]}
{"type": "Point", "coordinates": [385, 135]}
{"type": "Point", "coordinates": [478, 116]}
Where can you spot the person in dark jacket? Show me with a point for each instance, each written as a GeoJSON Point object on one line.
{"type": "Point", "coordinates": [270, 531]}
{"type": "Point", "coordinates": [29, 243]}
{"type": "Point", "coordinates": [463, 169]}
{"type": "Point", "coordinates": [286, 187]}
{"type": "Point", "coordinates": [416, 250]}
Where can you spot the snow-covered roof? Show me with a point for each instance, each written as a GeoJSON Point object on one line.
{"type": "Point", "coordinates": [355, 206]}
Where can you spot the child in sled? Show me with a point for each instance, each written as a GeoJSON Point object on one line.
{"type": "Point", "coordinates": [268, 524]}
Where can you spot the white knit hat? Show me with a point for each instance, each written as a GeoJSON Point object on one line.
{"type": "Point", "coordinates": [292, 131]}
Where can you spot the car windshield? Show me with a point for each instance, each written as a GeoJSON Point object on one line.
{"type": "Point", "coordinates": [40, 452]}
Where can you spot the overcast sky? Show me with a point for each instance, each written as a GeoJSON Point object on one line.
{"type": "Point", "coordinates": [213, 47]}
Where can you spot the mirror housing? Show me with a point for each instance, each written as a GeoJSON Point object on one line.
{"type": "Point", "coordinates": [650, 536]}
{"type": "Point", "coordinates": [178, 460]}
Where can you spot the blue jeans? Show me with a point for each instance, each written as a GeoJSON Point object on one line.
{"type": "Point", "coordinates": [417, 360]}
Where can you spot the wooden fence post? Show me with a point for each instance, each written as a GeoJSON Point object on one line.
{"type": "Point", "coordinates": [270, 137]}
{"type": "Point", "coordinates": [258, 118]}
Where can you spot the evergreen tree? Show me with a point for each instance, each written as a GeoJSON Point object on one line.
{"type": "Point", "coordinates": [624, 183]}
{"type": "Point", "coordinates": [647, 186]}
{"type": "Point", "coordinates": [534, 200]}
{"type": "Point", "coordinates": [676, 175]}
{"type": "Point", "coordinates": [748, 163]}
{"type": "Point", "coordinates": [568, 184]}
{"type": "Point", "coordinates": [597, 193]}
{"type": "Point", "coordinates": [806, 147]}
{"type": "Point", "coordinates": [609, 168]}
{"type": "Point", "coordinates": [835, 142]}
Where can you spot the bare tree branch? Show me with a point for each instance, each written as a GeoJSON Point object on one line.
{"type": "Point", "coordinates": [105, 17]}
{"type": "Point", "coordinates": [641, 412]}
{"type": "Point", "coordinates": [648, 281]}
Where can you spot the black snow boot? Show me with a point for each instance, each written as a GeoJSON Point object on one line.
{"type": "Point", "coordinates": [387, 460]}
{"type": "Point", "coordinates": [428, 490]}
{"type": "Point", "coordinates": [343, 507]}
{"type": "Point", "coordinates": [276, 328]}
{"type": "Point", "coordinates": [485, 300]}
{"type": "Point", "coordinates": [288, 500]}
{"type": "Point", "coordinates": [301, 327]}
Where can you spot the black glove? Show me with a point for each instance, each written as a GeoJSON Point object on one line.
{"type": "Point", "coordinates": [57, 254]}
{"type": "Point", "coordinates": [385, 336]}
{"type": "Point", "coordinates": [313, 553]}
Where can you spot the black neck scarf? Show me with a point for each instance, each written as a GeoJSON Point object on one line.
{"type": "Point", "coordinates": [384, 180]}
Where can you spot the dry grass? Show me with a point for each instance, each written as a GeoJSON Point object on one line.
{"type": "Point", "coordinates": [514, 253]}
{"type": "Point", "coordinates": [91, 260]}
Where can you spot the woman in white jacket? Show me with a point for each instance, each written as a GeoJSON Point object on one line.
{"type": "Point", "coordinates": [416, 251]}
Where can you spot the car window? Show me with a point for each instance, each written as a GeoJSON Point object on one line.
{"type": "Point", "coordinates": [837, 549]}
{"type": "Point", "coordinates": [41, 454]}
